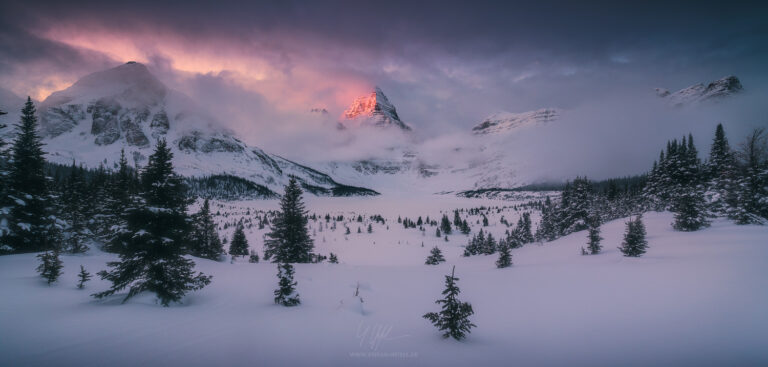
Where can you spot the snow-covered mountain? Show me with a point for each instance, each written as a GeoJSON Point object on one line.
{"type": "Point", "coordinates": [506, 121]}
{"type": "Point", "coordinates": [373, 109]}
{"type": "Point", "coordinates": [716, 90]}
{"type": "Point", "coordinates": [129, 108]}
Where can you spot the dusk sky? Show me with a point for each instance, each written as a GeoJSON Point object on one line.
{"type": "Point", "coordinates": [445, 65]}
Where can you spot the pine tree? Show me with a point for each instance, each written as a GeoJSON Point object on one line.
{"type": "Point", "coordinates": [289, 240]}
{"type": "Point", "coordinates": [634, 244]}
{"type": "Point", "coordinates": [456, 219]}
{"type": "Point", "coordinates": [253, 258]}
{"type": "Point", "coordinates": [121, 194]}
{"type": "Point", "coordinates": [505, 256]}
{"type": "Point", "coordinates": [593, 236]}
{"type": "Point", "coordinates": [50, 266]}
{"type": "Point", "coordinates": [83, 276]}
{"type": "Point", "coordinates": [465, 227]}
{"type": "Point", "coordinates": [74, 210]}
{"type": "Point", "coordinates": [435, 257]}
{"type": "Point", "coordinates": [239, 244]}
{"type": "Point", "coordinates": [370, 229]}
{"type": "Point", "coordinates": [752, 193]}
{"type": "Point", "coordinates": [453, 319]}
{"type": "Point", "coordinates": [286, 293]}
{"type": "Point", "coordinates": [153, 241]}
{"type": "Point", "coordinates": [333, 259]}
{"type": "Point", "coordinates": [31, 224]}
{"type": "Point", "coordinates": [437, 233]}
{"type": "Point", "coordinates": [690, 211]}
{"type": "Point", "coordinates": [205, 238]}
{"type": "Point", "coordinates": [445, 225]}
{"type": "Point", "coordinates": [722, 173]}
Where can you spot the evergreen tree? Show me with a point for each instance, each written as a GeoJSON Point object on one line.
{"type": "Point", "coordinates": [445, 225]}
{"type": "Point", "coordinates": [31, 224]}
{"type": "Point", "coordinates": [435, 257]}
{"type": "Point", "coordinates": [456, 219]}
{"type": "Point", "coordinates": [370, 229]}
{"type": "Point", "coordinates": [634, 244]}
{"type": "Point", "coordinates": [286, 293]}
{"type": "Point", "coordinates": [465, 227]}
{"type": "Point", "coordinates": [205, 238]}
{"type": "Point", "coordinates": [505, 256]}
{"type": "Point", "coordinates": [453, 319]}
{"type": "Point", "coordinates": [752, 193]}
{"type": "Point", "coordinates": [239, 244]}
{"type": "Point", "coordinates": [289, 240]}
{"type": "Point", "coordinates": [74, 209]}
{"type": "Point", "coordinates": [722, 174]}
{"type": "Point", "coordinates": [333, 259]}
{"type": "Point", "coordinates": [690, 211]}
{"type": "Point", "coordinates": [83, 276]}
{"type": "Point", "coordinates": [153, 241]}
{"type": "Point", "coordinates": [437, 233]}
{"type": "Point", "coordinates": [50, 266]}
{"type": "Point", "coordinates": [593, 237]}
{"type": "Point", "coordinates": [121, 194]}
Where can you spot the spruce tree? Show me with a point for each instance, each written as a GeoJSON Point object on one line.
{"type": "Point", "coordinates": [722, 174]}
{"type": "Point", "coordinates": [74, 203]}
{"type": "Point", "coordinates": [155, 236]}
{"type": "Point", "coordinates": [505, 256]}
{"type": "Point", "coordinates": [453, 319]}
{"type": "Point", "coordinates": [239, 244]}
{"type": "Point", "coordinates": [435, 257]}
{"type": "Point", "coordinates": [205, 238]}
{"type": "Point", "coordinates": [289, 240]}
{"type": "Point", "coordinates": [634, 244]}
{"type": "Point", "coordinates": [370, 229]}
{"type": "Point", "coordinates": [445, 225]}
{"type": "Point", "coordinates": [50, 266]}
{"type": "Point", "coordinates": [593, 236]}
{"type": "Point", "coordinates": [83, 276]}
{"type": "Point", "coordinates": [752, 193]}
{"type": "Point", "coordinates": [286, 294]}
{"type": "Point", "coordinates": [333, 259]}
{"type": "Point", "coordinates": [31, 225]}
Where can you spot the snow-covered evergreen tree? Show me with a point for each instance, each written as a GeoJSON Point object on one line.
{"type": "Point", "coordinates": [752, 191]}
{"type": "Point", "coordinates": [32, 226]}
{"type": "Point", "coordinates": [155, 237]}
{"type": "Point", "coordinates": [253, 258]}
{"type": "Point", "coordinates": [333, 259]}
{"type": "Point", "coordinates": [593, 236]}
{"type": "Point", "coordinates": [435, 257]}
{"type": "Point", "coordinates": [50, 266]}
{"type": "Point", "coordinates": [634, 244]}
{"type": "Point", "coordinates": [285, 294]}
{"type": "Point", "coordinates": [74, 208]}
{"type": "Point", "coordinates": [289, 240]}
{"type": "Point", "coordinates": [445, 225]}
{"type": "Point", "coordinates": [505, 256]}
{"type": "Point", "coordinates": [721, 174]}
{"type": "Point", "coordinates": [453, 318]}
{"type": "Point", "coordinates": [83, 276]}
{"type": "Point", "coordinates": [205, 237]}
{"type": "Point", "coordinates": [239, 244]}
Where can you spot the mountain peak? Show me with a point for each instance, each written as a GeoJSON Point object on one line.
{"type": "Point", "coordinates": [374, 109]}
{"type": "Point", "coordinates": [718, 89]}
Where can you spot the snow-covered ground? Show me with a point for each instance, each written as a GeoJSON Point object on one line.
{"type": "Point", "coordinates": [695, 299]}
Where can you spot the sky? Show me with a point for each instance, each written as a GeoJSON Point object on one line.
{"type": "Point", "coordinates": [260, 66]}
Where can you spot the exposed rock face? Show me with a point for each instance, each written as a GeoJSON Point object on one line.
{"type": "Point", "coordinates": [198, 142]}
{"type": "Point", "coordinates": [712, 92]}
{"type": "Point", "coordinates": [506, 121]}
{"type": "Point", "coordinates": [373, 109]}
{"type": "Point", "coordinates": [160, 124]}
{"type": "Point", "coordinates": [105, 124]}
{"type": "Point", "coordinates": [68, 116]}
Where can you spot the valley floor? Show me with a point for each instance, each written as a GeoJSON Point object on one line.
{"type": "Point", "coordinates": [695, 299]}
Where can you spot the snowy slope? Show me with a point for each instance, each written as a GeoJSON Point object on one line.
{"type": "Point", "coordinates": [128, 108]}
{"type": "Point", "coordinates": [714, 91]}
{"type": "Point", "coordinates": [507, 122]}
{"type": "Point", "coordinates": [694, 299]}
